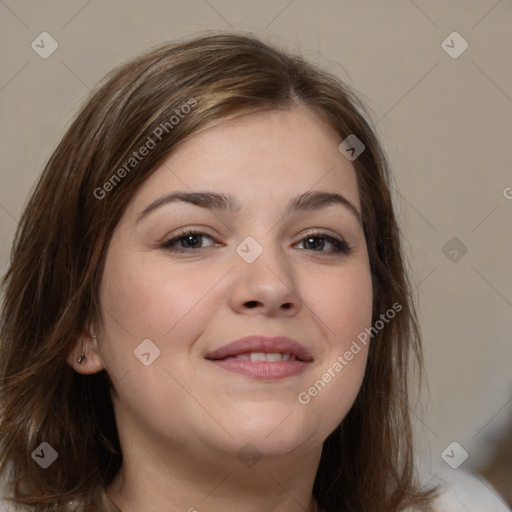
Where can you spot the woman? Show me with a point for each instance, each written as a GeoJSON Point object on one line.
{"type": "Point", "coordinates": [207, 306]}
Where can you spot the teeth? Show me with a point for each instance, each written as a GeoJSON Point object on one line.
{"type": "Point", "coordinates": [262, 356]}
{"type": "Point", "coordinates": [258, 356]}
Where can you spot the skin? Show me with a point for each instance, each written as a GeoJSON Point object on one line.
{"type": "Point", "coordinates": [182, 420]}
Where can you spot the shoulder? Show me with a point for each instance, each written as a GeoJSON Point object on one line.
{"type": "Point", "coordinates": [8, 506]}
{"type": "Point", "coordinates": [461, 491]}
{"type": "Point", "coordinates": [5, 505]}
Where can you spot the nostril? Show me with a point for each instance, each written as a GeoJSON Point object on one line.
{"type": "Point", "coordinates": [252, 304]}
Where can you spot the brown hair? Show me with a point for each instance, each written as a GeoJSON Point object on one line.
{"type": "Point", "coordinates": [51, 287]}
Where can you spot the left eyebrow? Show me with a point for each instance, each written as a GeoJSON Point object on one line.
{"type": "Point", "coordinates": [226, 202]}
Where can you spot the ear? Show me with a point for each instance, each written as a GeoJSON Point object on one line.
{"type": "Point", "coordinates": [86, 344]}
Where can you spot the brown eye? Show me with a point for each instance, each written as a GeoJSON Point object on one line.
{"type": "Point", "coordinates": [187, 241]}
{"type": "Point", "coordinates": [315, 240]}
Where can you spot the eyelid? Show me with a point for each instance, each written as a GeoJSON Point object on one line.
{"type": "Point", "coordinates": [338, 241]}
{"type": "Point", "coordinates": [183, 232]}
{"type": "Point", "coordinates": [341, 246]}
{"type": "Point", "coordinates": [320, 232]}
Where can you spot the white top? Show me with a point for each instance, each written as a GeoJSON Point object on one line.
{"type": "Point", "coordinates": [459, 490]}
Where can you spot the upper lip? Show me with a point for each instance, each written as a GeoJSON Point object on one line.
{"type": "Point", "coordinates": [258, 343]}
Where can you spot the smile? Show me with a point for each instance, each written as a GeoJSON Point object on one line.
{"type": "Point", "coordinates": [263, 366]}
{"type": "Point", "coordinates": [272, 357]}
{"type": "Point", "coordinates": [262, 357]}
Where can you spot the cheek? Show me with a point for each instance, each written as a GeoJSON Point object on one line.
{"type": "Point", "coordinates": [331, 394]}
{"type": "Point", "coordinates": [344, 304]}
{"type": "Point", "coordinates": [345, 309]}
{"type": "Point", "coordinates": [149, 298]}
{"type": "Point", "coordinates": [328, 396]}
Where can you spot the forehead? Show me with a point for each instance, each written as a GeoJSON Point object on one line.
{"type": "Point", "coordinates": [264, 156]}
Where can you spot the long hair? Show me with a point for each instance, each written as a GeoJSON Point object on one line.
{"type": "Point", "coordinates": [50, 290]}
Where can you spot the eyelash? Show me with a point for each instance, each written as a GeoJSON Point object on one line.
{"type": "Point", "coordinates": [340, 246]}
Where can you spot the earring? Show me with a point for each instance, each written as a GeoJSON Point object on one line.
{"type": "Point", "coordinates": [82, 355]}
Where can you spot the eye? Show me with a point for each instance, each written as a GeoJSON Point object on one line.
{"type": "Point", "coordinates": [187, 241]}
{"type": "Point", "coordinates": [319, 239]}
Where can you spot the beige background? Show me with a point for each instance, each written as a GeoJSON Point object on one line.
{"type": "Point", "coordinates": [445, 123]}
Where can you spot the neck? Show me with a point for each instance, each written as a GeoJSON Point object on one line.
{"type": "Point", "coordinates": [225, 484]}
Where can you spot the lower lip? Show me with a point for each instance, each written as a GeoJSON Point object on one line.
{"type": "Point", "coordinates": [262, 370]}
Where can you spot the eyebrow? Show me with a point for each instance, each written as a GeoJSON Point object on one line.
{"type": "Point", "coordinates": [226, 202]}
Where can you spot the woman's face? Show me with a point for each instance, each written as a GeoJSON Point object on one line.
{"type": "Point", "coordinates": [260, 270]}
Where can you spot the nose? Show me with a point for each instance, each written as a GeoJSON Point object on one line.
{"type": "Point", "coordinates": [266, 286]}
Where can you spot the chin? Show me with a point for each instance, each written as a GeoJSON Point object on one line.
{"type": "Point", "coordinates": [275, 435]}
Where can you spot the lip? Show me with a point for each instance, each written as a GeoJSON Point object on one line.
{"type": "Point", "coordinates": [262, 370]}
{"type": "Point", "coordinates": [258, 343]}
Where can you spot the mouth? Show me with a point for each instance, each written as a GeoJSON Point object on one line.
{"type": "Point", "coordinates": [269, 357]}
{"type": "Point", "coordinates": [262, 358]}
